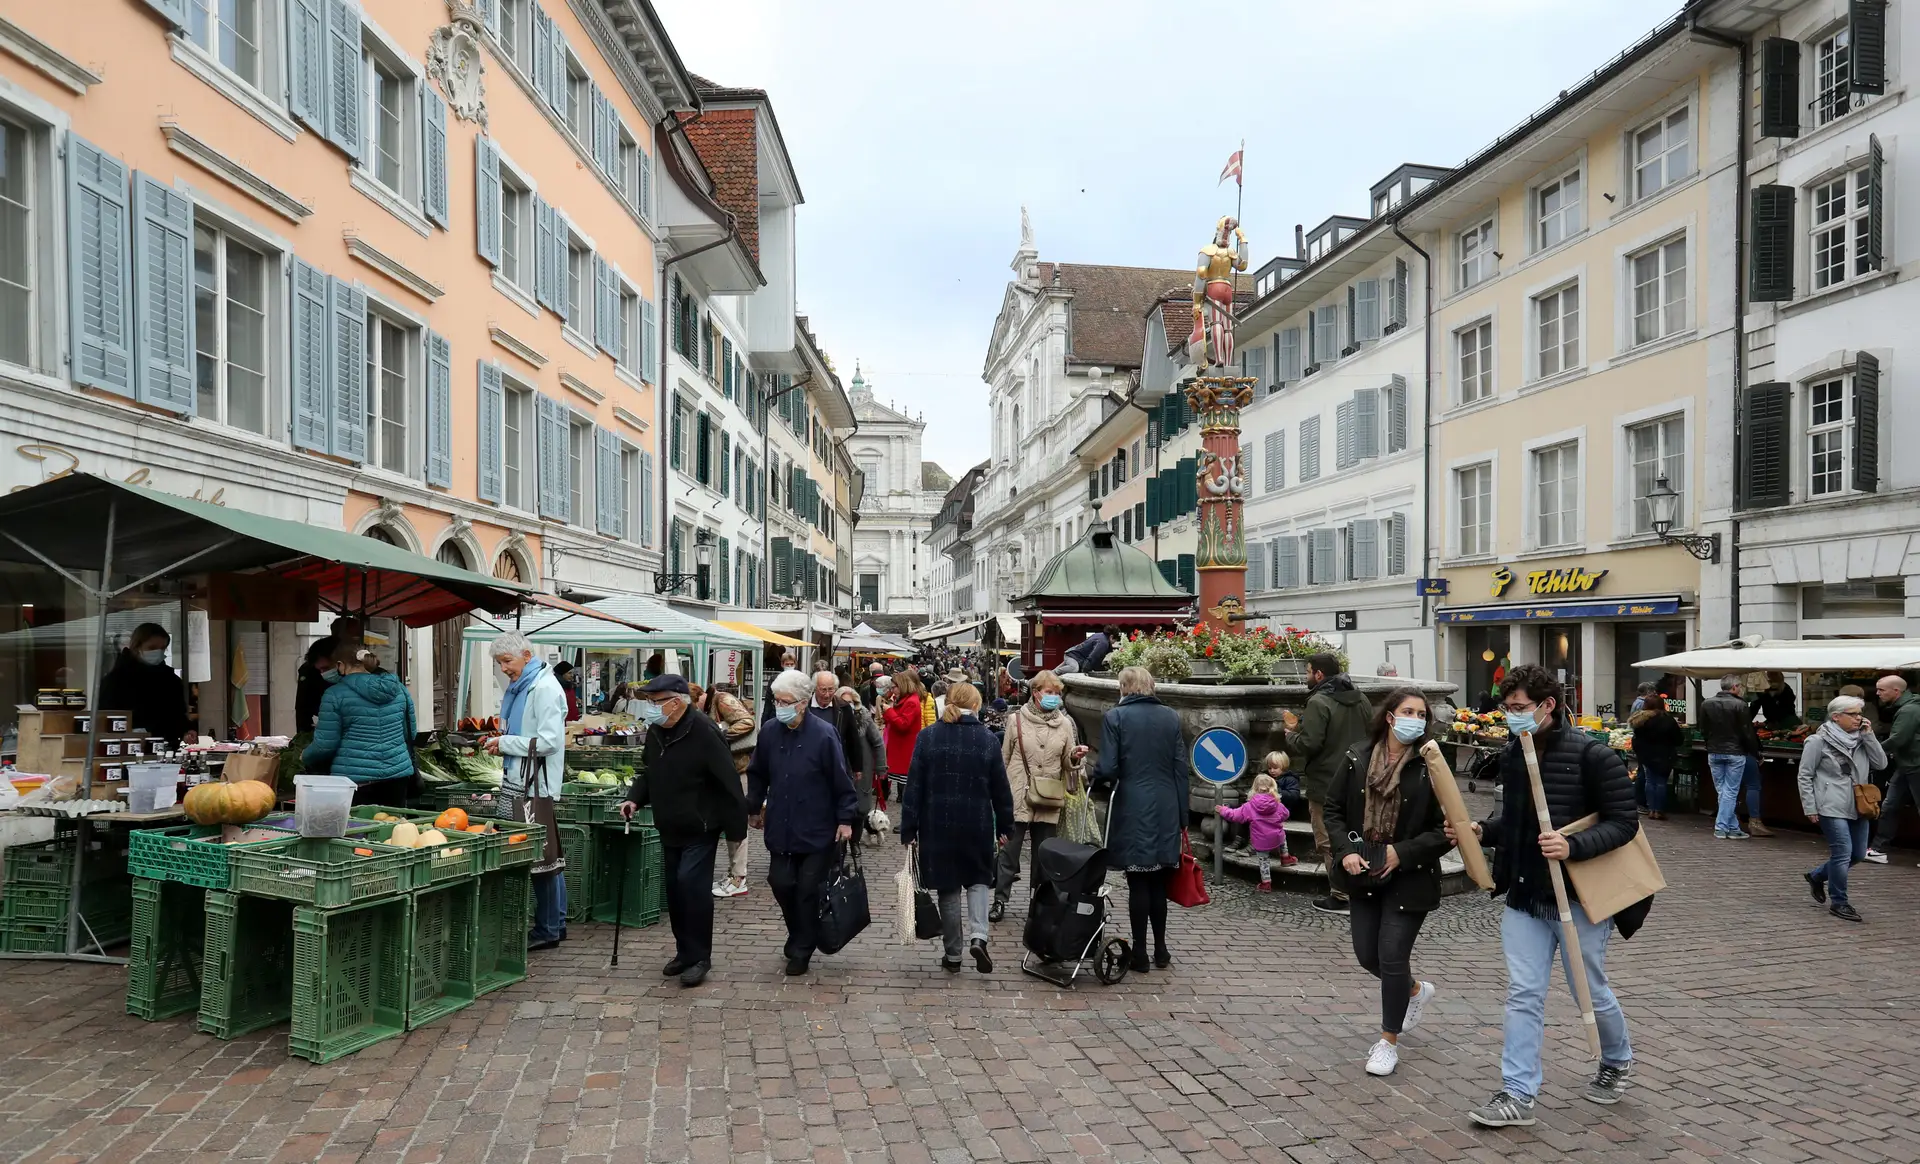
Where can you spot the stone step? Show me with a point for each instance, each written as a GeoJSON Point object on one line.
{"type": "Point", "coordinates": [1310, 876]}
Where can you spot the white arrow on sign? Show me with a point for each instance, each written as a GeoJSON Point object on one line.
{"type": "Point", "coordinates": [1219, 757]}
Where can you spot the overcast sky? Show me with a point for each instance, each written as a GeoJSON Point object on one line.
{"type": "Point", "coordinates": [919, 130]}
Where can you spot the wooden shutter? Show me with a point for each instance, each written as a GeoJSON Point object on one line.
{"type": "Point", "coordinates": [726, 461]}
{"type": "Point", "coordinates": [1187, 575]}
{"type": "Point", "coordinates": [1397, 545]}
{"type": "Point", "coordinates": [1366, 424]}
{"type": "Point", "coordinates": [1345, 446]}
{"type": "Point", "coordinates": [1866, 423]}
{"type": "Point", "coordinates": [1256, 572]}
{"type": "Point", "coordinates": [1310, 448]}
{"type": "Point", "coordinates": [606, 480]}
{"type": "Point", "coordinates": [163, 296]}
{"type": "Point", "coordinates": [702, 454]}
{"type": "Point", "coordinates": [439, 400]}
{"type": "Point", "coordinates": [1779, 87]}
{"type": "Point", "coordinates": [1876, 189]}
{"type": "Point", "coordinates": [307, 62]}
{"type": "Point", "coordinates": [556, 492]}
{"type": "Point", "coordinates": [175, 11]}
{"type": "Point", "coordinates": [782, 565]}
{"type": "Point", "coordinates": [1867, 34]}
{"type": "Point", "coordinates": [1396, 406]}
{"type": "Point", "coordinates": [492, 421]}
{"type": "Point", "coordinates": [346, 83]}
{"type": "Point", "coordinates": [99, 268]}
{"type": "Point", "coordinates": [1765, 431]}
{"type": "Point", "coordinates": [542, 252]}
{"type": "Point", "coordinates": [1286, 563]}
{"type": "Point", "coordinates": [726, 570]}
{"type": "Point", "coordinates": [1773, 244]}
{"type": "Point", "coordinates": [1365, 555]}
{"type": "Point", "coordinates": [486, 200]}
{"type": "Point", "coordinates": [1276, 450]}
{"type": "Point", "coordinates": [433, 137]}
{"type": "Point", "coordinates": [310, 382]}
{"type": "Point", "coordinates": [347, 378]}
{"type": "Point", "coordinates": [1324, 557]}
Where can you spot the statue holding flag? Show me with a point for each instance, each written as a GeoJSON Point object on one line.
{"type": "Point", "coordinates": [1211, 344]}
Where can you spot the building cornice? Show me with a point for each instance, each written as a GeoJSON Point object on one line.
{"type": "Point", "coordinates": [60, 68]}
{"type": "Point", "coordinates": [392, 268]}
{"type": "Point", "coordinates": [519, 347]}
{"type": "Point", "coordinates": [241, 177]}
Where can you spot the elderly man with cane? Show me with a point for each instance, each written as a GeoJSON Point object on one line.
{"type": "Point", "coordinates": [1547, 761]}
{"type": "Point", "coordinates": [689, 779]}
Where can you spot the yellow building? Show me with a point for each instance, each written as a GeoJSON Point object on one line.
{"type": "Point", "coordinates": [1581, 301]}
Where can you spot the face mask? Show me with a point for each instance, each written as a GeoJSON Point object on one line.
{"type": "Point", "coordinates": [786, 713]}
{"type": "Point", "coordinates": [331, 674]}
{"type": "Point", "coordinates": [1522, 723]}
{"type": "Point", "coordinates": [1408, 728]}
{"type": "Point", "coordinates": [652, 712]}
{"type": "Point", "coordinates": [153, 658]}
{"type": "Point", "coordinates": [1050, 702]}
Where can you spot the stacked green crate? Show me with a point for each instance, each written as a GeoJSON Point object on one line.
{"type": "Point", "coordinates": [576, 845]}
{"type": "Point", "coordinates": [247, 969]}
{"type": "Point", "coordinates": [441, 951]}
{"type": "Point", "coordinates": [166, 955]}
{"type": "Point", "coordinates": [630, 877]}
{"type": "Point", "coordinates": [500, 943]}
{"type": "Point", "coordinates": [351, 977]}
{"type": "Point", "coordinates": [37, 891]}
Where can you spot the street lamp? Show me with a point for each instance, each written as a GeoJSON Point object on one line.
{"type": "Point", "coordinates": [669, 583]}
{"type": "Point", "coordinates": [1664, 504]}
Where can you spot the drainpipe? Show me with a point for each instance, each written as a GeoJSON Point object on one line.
{"type": "Point", "coordinates": [1426, 429]}
{"type": "Point", "coordinates": [1744, 180]}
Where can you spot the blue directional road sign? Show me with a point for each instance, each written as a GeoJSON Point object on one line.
{"type": "Point", "coordinates": [1219, 756]}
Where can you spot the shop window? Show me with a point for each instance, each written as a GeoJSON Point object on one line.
{"type": "Point", "coordinates": [1877, 599]}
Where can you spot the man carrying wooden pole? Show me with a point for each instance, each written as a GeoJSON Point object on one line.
{"type": "Point", "coordinates": [1553, 774]}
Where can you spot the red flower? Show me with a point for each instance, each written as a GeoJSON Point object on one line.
{"type": "Point", "coordinates": [1209, 650]}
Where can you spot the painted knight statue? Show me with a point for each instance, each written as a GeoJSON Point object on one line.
{"type": "Point", "coordinates": [1211, 344]}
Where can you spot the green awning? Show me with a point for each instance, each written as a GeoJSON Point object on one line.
{"type": "Point", "coordinates": [82, 522]}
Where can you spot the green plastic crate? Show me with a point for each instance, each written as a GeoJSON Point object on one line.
{"type": "Point", "coordinates": [168, 948]}
{"type": "Point", "coordinates": [500, 938]}
{"type": "Point", "coordinates": [477, 799]}
{"type": "Point", "coordinates": [325, 871]}
{"type": "Point", "coordinates": [246, 979]}
{"type": "Point", "coordinates": [594, 758]}
{"type": "Point", "coordinates": [462, 858]}
{"type": "Point", "coordinates": [633, 857]}
{"type": "Point", "coordinates": [33, 938]}
{"type": "Point", "coordinates": [441, 951]}
{"type": "Point", "coordinates": [51, 862]}
{"type": "Point", "coordinates": [366, 812]}
{"type": "Point", "coordinates": [576, 844]}
{"type": "Point", "coordinates": [508, 853]}
{"type": "Point", "coordinates": [350, 977]}
{"type": "Point", "coordinates": [190, 854]}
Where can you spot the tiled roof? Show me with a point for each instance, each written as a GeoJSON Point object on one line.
{"type": "Point", "coordinates": [1176, 315]}
{"type": "Point", "coordinates": [725, 139]}
{"type": "Point", "coordinates": [714, 91]}
{"type": "Point", "coordinates": [1110, 308]}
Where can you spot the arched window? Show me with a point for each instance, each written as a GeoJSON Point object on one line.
{"type": "Point", "coordinates": [380, 533]}
{"type": "Point", "coordinates": [453, 555]}
{"type": "Point", "coordinates": [507, 567]}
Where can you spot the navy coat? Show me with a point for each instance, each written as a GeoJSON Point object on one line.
{"type": "Point", "coordinates": [1143, 759]}
{"type": "Point", "coordinates": [957, 804]}
{"type": "Point", "coordinates": [799, 776]}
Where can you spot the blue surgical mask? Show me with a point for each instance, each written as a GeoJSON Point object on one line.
{"type": "Point", "coordinates": [331, 674]}
{"type": "Point", "coordinates": [786, 713]}
{"type": "Point", "coordinates": [154, 658]}
{"type": "Point", "coordinates": [1050, 702]}
{"type": "Point", "coordinates": [652, 712]}
{"type": "Point", "coordinates": [1408, 728]}
{"type": "Point", "coordinates": [1522, 723]}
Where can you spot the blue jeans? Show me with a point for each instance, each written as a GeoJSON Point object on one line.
{"type": "Point", "coordinates": [1530, 943]}
{"type": "Point", "coordinates": [1728, 772]}
{"type": "Point", "coordinates": [549, 907]}
{"type": "Point", "coordinates": [1846, 846]}
{"type": "Point", "coordinates": [1653, 786]}
{"type": "Point", "coordinates": [1751, 782]}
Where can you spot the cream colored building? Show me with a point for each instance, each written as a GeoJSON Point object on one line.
{"type": "Point", "coordinates": [1582, 309]}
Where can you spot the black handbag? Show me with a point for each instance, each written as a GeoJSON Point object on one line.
{"type": "Point", "coordinates": [843, 903]}
{"type": "Point", "coordinates": [926, 906]}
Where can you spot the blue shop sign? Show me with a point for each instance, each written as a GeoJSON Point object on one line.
{"type": "Point", "coordinates": [1562, 612]}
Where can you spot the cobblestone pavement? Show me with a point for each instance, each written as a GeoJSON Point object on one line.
{"type": "Point", "coordinates": [1765, 1030]}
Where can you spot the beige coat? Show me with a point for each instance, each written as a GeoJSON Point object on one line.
{"type": "Point", "coordinates": [1045, 740]}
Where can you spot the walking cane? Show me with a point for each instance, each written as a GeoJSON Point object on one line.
{"type": "Point", "coordinates": [1569, 934]}
{"type": "Point", "coordinates": [620, 891]}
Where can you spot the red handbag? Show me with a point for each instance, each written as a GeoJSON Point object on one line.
{"type": "Point", "coordinates": [1188, 885]}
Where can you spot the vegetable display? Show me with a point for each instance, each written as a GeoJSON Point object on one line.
{"type": "Point", "coordinates": [237, 803]}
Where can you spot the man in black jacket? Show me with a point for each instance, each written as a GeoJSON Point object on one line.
{"type": "Point", "coordinates": [846, 724]}
{"type": "Point", "coordinates": [688, 777]}
{"type": "Point", "coordinates": [1732, 747]}
{"type": "Point", "coordinates": [1580, 777]}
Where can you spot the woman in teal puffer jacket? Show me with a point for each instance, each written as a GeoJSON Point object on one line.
{"type": "Point", "coordinates": [365, 730]}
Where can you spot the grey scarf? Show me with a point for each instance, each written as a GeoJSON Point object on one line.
{"type": "Point", "coordinates": [1837, 737]}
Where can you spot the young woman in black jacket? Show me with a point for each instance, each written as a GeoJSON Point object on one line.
{"type": "Point", "coordinates": [1387, 834]}
{"type": "Point", "coordinates": [1656, 744]}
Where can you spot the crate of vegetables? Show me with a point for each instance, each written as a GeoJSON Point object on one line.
{"type": "Point", "coordinates": [520, 845]}
{"type": "Point", "coordinates": [453, 847]}
{"type": "Point", "coordinates": [327, 872]}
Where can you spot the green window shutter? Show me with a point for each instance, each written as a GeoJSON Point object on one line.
{"type": "Point", "coordinates": [1866, 423]}
{"type": "Point", "coordinates": [99, 268]}
{"type": "Point", "coordinates": [726, 367]}
{"type": "Point", "coordinates": [306, 62]}
{"type": "Point", "coordinates": [702, 455]}
{"type": "Point", "coordinates": [346, 80]}
{"type": "Point", "coordinates": [492, 419]}
{"type": "Point", "coordinates": [1170, 570]}
{"type": "Point", "coordinates": [782, 565]}
{"type": "Point", "coordinates": [163, 312]}
{"type": "Point", "coordinates": [1188, 578]}
{"type": "Point", "coordinates": [1765, 433]}
{"type": "Point", "coordinates": [1153, 501]}
{"type": "Point", "coordinates": [726, 570]}
{"type": "Point", "coordinates": [347, 380]}
{"type": "Point", "coordinates": [1780, 87]}
{"type": "Point", "coordinates": [1867, 50]}
{"type": "Point", "coordinates": [1774, 241]}
{"type": "Point", "coordinates": [438, 469]}
{"type": "Point", "coordinates": [1189, 487]}
{"type": "Point", "coordinates": [1876, 191]}
{"type": "Point", "coordinates": [726, 461]}
{"type": "Point", "coordinates": [433, 137]}
{"type": "Point", "coordinates": [310, 384]}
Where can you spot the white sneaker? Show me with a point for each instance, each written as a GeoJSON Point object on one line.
{"type": "Point", "coordinates": [1876, 857]}
{"type": "Point", "coordinates": [1417, 1008]}
{"type": "Point", "coordinates": [733, 887]}
{"type": "Point", "coordinates": [1383, 1058]}
{"type": "Point", "coordinates": [720, 888]}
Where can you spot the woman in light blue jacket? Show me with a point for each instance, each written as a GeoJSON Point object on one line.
{"type": "Point", "coordinates": [534, 713]}
{"type": "Point", "coordinates": [1833, 761]}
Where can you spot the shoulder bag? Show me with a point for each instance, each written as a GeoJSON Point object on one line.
{"type": "Point", "coordinates": [1866, 801]}
{"type": "Point", "coordinates": [843, 903]}
{"type": "Point", "coordinates": [1188, 885]}
{"type": "Point", "coordinates": [1043, 792]}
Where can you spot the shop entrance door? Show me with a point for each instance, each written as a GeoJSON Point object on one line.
{"type": "Point", "coordinates": [1560, 655]}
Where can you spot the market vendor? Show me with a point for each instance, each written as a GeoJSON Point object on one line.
{"type": "Point", "coordinates": [534, 711]}
{"type": "Point", "coordinates": [1777, 703]}
{"type": "Point", "coordinates": [143, 685]}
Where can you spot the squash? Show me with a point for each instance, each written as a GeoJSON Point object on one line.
{"type": "Point", "coordinates": [240, 802]}
{"type": "Point", "coordinates": [432, 838]}
{"type": "Point", "coordinates": [453, 818]}
{"type": "Point", "coordinates": [479, 830]}
{"type": "Point", "coordinates": [405, 835]}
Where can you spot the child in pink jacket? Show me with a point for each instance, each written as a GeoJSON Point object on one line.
{"type": "Point", "coordinates": [1265, 817]}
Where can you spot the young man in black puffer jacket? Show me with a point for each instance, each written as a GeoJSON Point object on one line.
{"type": "Point", "coordinates": [1580, 777]}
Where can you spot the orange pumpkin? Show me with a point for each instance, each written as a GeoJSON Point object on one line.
{"type": "Point", "coordinates": [481, 829]}
{"type": "Point", "coordinates": [453, 818]}
{"type": "Point", "coordinates": [217, 802]}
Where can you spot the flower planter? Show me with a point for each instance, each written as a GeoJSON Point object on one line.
{"type": "Point", "coordinates": [1204, 669]}
{"type": "Point", "coordinates": [1289, 670]}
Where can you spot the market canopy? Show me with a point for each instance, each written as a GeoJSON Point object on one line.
{"type": "Point", "coordinates": [613, 623]}
{"type": "Point", "coordinates": [762, 633]}
{"type": "Point", "coordinates": [82, 522]}
{"type": "Point", "coordinates": [1754, 653]}
{"type": "Point", "coordinates": [946, 630]}
{"type": "Point", "coordinates": [871, 645]}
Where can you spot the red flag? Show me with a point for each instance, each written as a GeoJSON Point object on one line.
{"type": "Point", "coordinates": [1233, 167]}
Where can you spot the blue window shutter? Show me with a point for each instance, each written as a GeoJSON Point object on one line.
{"type": "Point", "coordinates": [346, 83]}
{"type": "Point", "coordinates": [490, 14]}
{"type": "Point", "coordinates": [163, 296]}
{"type": "Point", "coordinates": [99, 272]}
{"type": "Point", "coordinates": [646, 185]}
{"type": "Point", "coordinates": [557, 73]}
{"type": "Point", "coordinates": [174, 10]}
{"type": "Point", "coordinates": [347, 382]}
{"type": "Point", "coordinates": [308, 362]}
{"type": "Point", "coordinates": [562, 255]}
{"type": "Point", "coordinates": [433, 135]}
{"type": "Point", "coordinates": [486, 199]}
{"type": "Point", "coordinates": [439, 411]}
{"type": "Point", "coordinates": [649, 341]}
{"type": "Point", "coordinates": [645, 516]}
{"type": "Point", "coordinates": [307, 62]}
{"type": "Point", "coordinates": [555, 496]}
{"type": "Point", "coordinates": [602, 317]}
{"type": "Point", "coordinates": [542, 52]}
{"type": "Point", "coordinates": [542, 252]}
{"type": "Point", "coordinates": [606, 477]}
{"type": "Point", "coordinates": [493, 419]}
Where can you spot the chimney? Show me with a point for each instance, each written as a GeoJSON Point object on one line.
{"type": "Point", "coordinates": [1299, 241]}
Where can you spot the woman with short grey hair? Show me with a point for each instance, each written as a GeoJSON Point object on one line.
{"type": "Point", "coordinates": [533, 714]}
{"type": "Point", "coordinates": [1135, 681]}
{"type": "Point", "coordinates": [1833, 762]}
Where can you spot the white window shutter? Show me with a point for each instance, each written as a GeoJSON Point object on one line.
{"type": "Point", "coordinates": [492, 420]}
{"type": "Point", "coordinates": [1396, 407]}
{"type": "Point", "coordinates": [1276, 445]}
{"type": "Point", "coordinates": [163, 314]}
{"type": "Point", "coordinates": [1397, 545]}
{"type": "Point", "coordinates": [99, 268]}
{"type": "Point", "coordinates": [1344, 455]}
{"type": "Point", "coordinates": [1366, 424]}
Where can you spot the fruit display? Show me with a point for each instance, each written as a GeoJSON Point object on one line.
{"type": "Point", "coordinates": [239, 802]}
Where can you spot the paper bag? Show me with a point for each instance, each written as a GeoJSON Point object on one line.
{"type": "Point", "coordinates": [262, 766]}
{"type": "Point", "coordinates": [1614, 880]}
